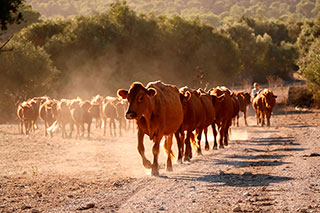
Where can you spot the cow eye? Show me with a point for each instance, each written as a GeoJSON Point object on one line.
{"type": "Point", "coordinates": [140, 99]}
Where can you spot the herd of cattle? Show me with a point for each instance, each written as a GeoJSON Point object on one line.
{"type": "Point", "coordinates": [75, 112]}
{"type": "Point", "coordinates": [160, 110]}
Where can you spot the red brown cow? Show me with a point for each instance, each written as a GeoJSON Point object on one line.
{"type": "Point", "coordinates": [158, 112]}
{"type": "Point", "coordinates": [225, 111]}
{"type": "Point", "coordinates": [263, 104]}
{"type": "Point", "coordinates": [48, 114]}
{"type": "Point", "coordinates": [244, 101]}
{"type": "Point", "coordinates": [109, 111]}
{"type": "Point", "coordinates": [193, 119]}
{"type": "Point", "coordinates": [209, 101]}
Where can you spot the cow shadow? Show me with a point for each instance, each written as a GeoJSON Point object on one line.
{"type": "Point", "coordinates": [262, 156]}
{"type": "Point", "coordinates": [10, 133]}
{"type": "Point", "coordinates": [292, 112]}
{"type": "Point", "coordinates": [274, 141]}
{"type": "Point", "coordinates": [246, 179]}
{"type": "Point", "coordinates": [241, 164]}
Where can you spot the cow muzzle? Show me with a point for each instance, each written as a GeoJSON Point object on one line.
{"type": "Point", "coordinates": [131, 115]}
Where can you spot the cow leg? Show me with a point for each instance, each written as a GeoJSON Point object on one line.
{"type": "Point", "coordinates": [179, 144]}
{"type": "Point", "coordinates": [89, 129]}
{"type": "Point", "coordinates": [146, 163]}
{"type": "Point", "coordinates": [78, 131]}
{"type": "Point", "coordinates": [226, 136]}
{"type": "Point", "coordinates": [120, 127]}
{"type": "Point", "coordinates": [110, 126]}
{"type": "Point", "coordinates": [206, 137]}
{"type": "Point", "coordinates": [222, 135]}
{"type": "Point", "coordinates": [155, 152]}
{"type": "Point", "coordinates": [262, 118]}
{"type": "Point", "coordinates": [168, 148]}
{"type": "Point", "coordinates": [214, 131]}
{"type": "Point", "coordinates": [21, 126]}
{"type": "Point", "coordinates": [26, 126]}
{"type": "Point", "coordinates": [63, 129]}
{"type": "Point", "coordinates": [268, 115]}
{"type": "Point", "coordinates": [199, 135]}
{"type": "Point", "coordinates": [188, 152]}
{"type": "Point", "coordinates": [45, 128]}
{"type": "Point", "coordinates": [114, 127]}
{"type": "Point", "coordinates": [237, 117]}
{"type": "Point", "coordinates": [245, 116]}
{"type": "Point", "coordinates": [104, 126]}
{"type": "Point", "coordinates": [71, 130]}
{"type": "Point", "coordinates": [258, 117]}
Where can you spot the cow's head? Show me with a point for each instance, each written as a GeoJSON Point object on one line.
{"type": "Point", "coordinates": [217, 99]}
{"type": "Point", "coordinates": [245, 97]}
{"type": "Point", "coordinates": [94, 109]}
{"type": "Point", "coordinates": [270, 98]}
{"type": "Point", "coordinates": [185, 98]}
{"type": "Point", "coordinates": [138, 98]}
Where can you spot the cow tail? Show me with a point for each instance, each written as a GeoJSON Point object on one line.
{"type": "Point", "coordinates": [193, 142]}
{"type": "Point", "coordinates": [53, 127]}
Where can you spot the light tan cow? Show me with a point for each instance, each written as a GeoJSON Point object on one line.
{"type": "Point", "coordinates": [48, 114]}
{"type": "Point", "coordinates": [263, 104]}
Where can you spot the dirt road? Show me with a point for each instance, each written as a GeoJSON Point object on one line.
{"type": "Point", "coordinates": [275, 169]}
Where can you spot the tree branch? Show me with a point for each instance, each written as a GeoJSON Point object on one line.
{"type": "Point", "coordinates": [4, 44]}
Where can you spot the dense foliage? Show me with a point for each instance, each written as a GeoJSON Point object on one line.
{"type": "Point", "coordinates": [86, 55]}
{"type": "Point", "coordinates": [9, 12]}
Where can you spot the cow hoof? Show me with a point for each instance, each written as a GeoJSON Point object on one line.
{"type": "Point", "coordinates": [179, 160]}
{"type": "Point", "coordinates": [199, 153]}
{"type": "Point", "coordinates": [215, 148]}
{"type": "Point", "coordinates": [169, 169]}
{"type": "Point", "coordinates": [147, 164]}
{"type": "Point", "coordinates": [222, 147]}
{"type": "Point", "coordinates": [155, 172]}
{"type": "Point", "coordinates": [187, 159]}
{"type": "Point", "coordinates": [207, 148]}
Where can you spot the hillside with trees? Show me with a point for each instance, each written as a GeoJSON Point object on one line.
{"type": "Point", "coordinates": [86, 55]}
{"type": "Point", "coordinates": [214, 12]}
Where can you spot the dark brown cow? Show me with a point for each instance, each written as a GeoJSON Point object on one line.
{"type": "Point", "coordinates": [158, 112]}
{"type": "Point", "coordinates": [193, 119]}
{"type": "Point", "coordinates": [225, 111]}
{"type": "Point", "coordinates": [244, 101]}
{"type": "Point", "coordinates": [48, 114]}
{"type": "Point", "coordinates": [263, 104]}
{"type": "Point", "coordinates": [80, 112]}
{"type": "Point", "coordinates": [109, 111]}
{"type": "Point", "coordinates": [210, 118]}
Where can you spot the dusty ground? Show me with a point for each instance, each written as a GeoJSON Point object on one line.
{"type": "Point", "coordinates": [273, 169]}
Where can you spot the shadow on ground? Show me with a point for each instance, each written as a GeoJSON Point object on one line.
{"type": "Point", "coordinates": [230, 179]}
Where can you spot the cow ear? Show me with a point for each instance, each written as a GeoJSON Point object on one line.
{"type": "Point", "coordinates": [219, 98]}
{"type": "Point", "coordinates": [187, 95]}
{"type": "Point", "coordinates": [122, 93]}
{"type": "Point", "coordinates": [151, 92]}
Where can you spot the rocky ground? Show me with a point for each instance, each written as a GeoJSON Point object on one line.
{"type": "Point", "coordinates": [264, 169]}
